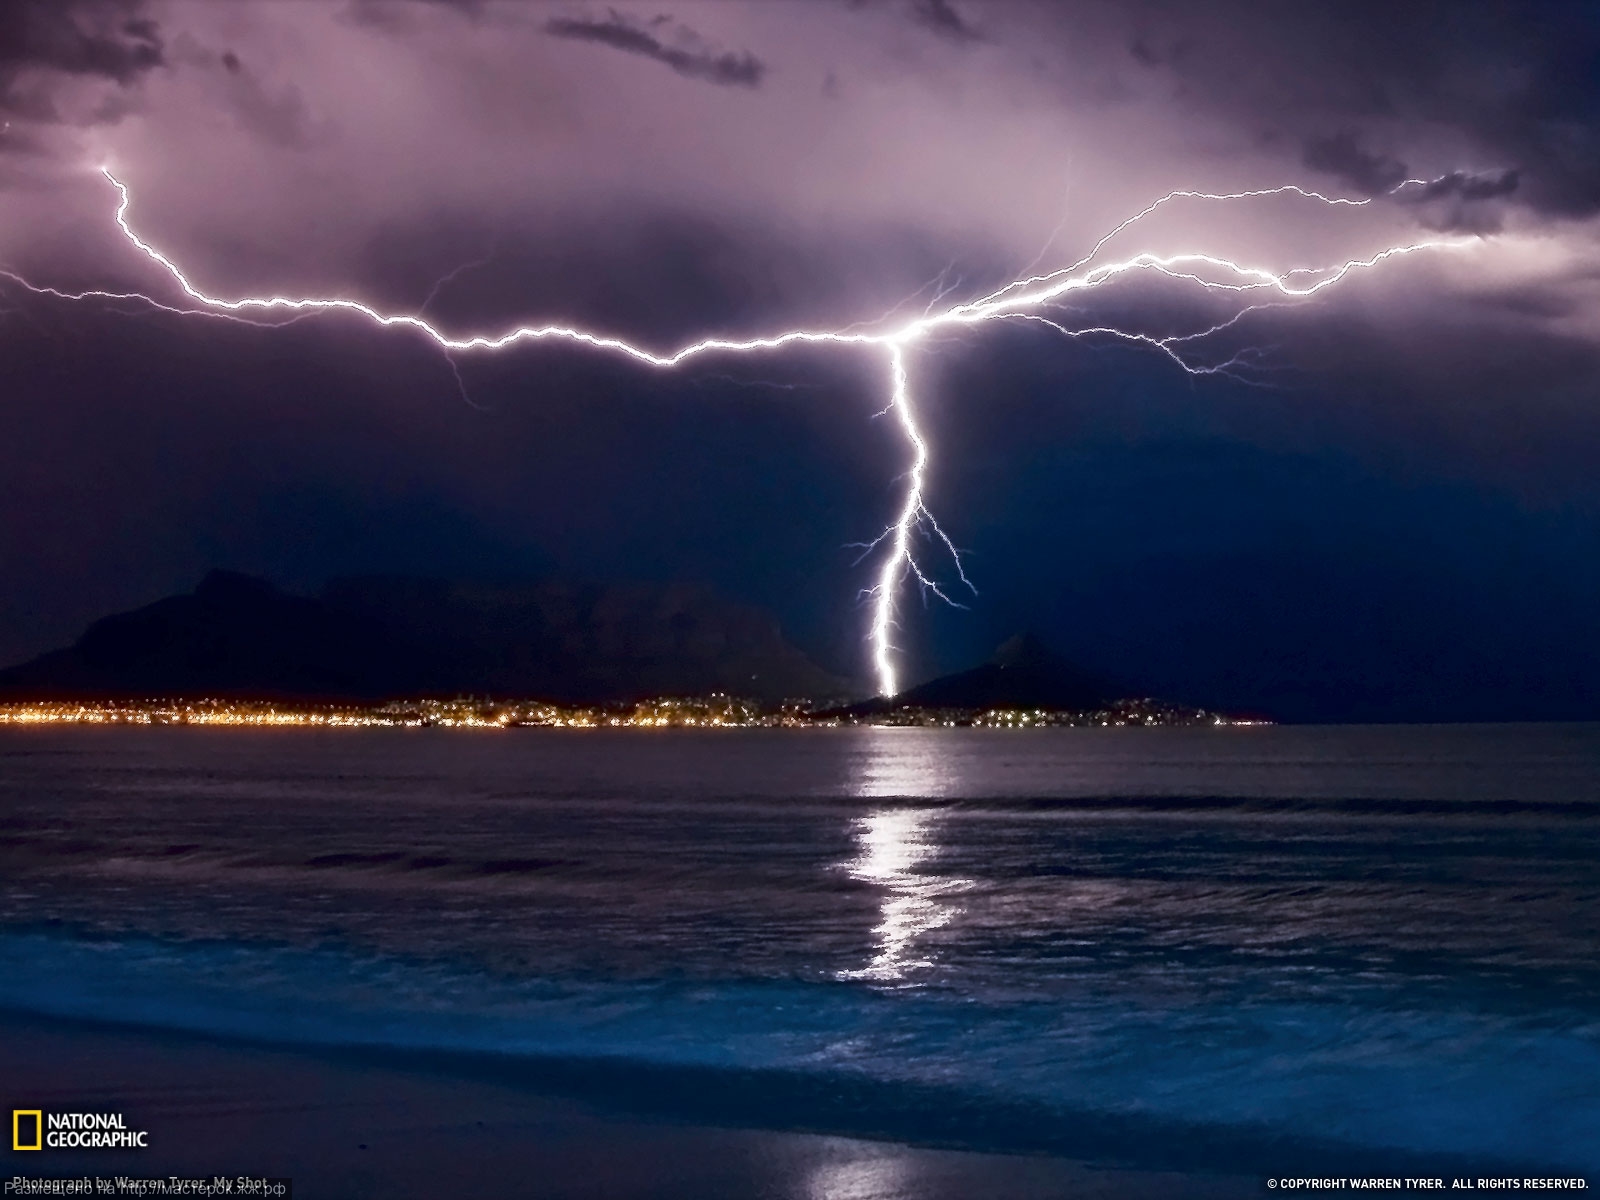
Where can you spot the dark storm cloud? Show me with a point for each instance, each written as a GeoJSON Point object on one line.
{"type": "Point", "coordinates": [1550, 125]}
{"type": "Point", "coordinates": [686, 53]}
{"type": "Point", "coordinates": [98, 39]}
{"type": "Point", "coordinates": [1473, 187]}
{"type": "Point", "coordinates": [1519, 85]}
{"type": "Point", "coordinates": [1144, 52]}
{"type": "Point", "coordinates": [942, 17]}
{"type": "Point", "coordinates": [1341, 156]}
{"type": "Point", "coordinates": [396, 17]}
{"type": "Point", "coordinates": [1454, 202]}
{"type": "Point", "coordinates": [1450, 203]}
{"type": "Point", "coordinates": [1540, 304]}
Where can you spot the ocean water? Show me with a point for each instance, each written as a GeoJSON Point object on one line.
{"type": "Point", "coordinates": [1232, 949]}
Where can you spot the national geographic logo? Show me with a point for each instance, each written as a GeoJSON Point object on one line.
{"type": "Point", "coordinates": [35, 1129]}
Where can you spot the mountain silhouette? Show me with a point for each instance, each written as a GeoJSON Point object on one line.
{"type": "Point", "coordinates": [1021, 674]}
{"type": "Point", "coordinates": [379, 636]}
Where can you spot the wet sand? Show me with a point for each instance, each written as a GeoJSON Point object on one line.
{"type": "Point", "coordinates": [346, 1127]}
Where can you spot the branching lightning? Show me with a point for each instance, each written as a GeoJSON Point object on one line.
{"type": "Point", "coordinates": [1029, 299]}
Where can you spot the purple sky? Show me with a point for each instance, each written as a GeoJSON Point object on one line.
{"type": "Point", "coordinates": [672, 170]}
{"type": "Point", "coordinates": [273, 143]}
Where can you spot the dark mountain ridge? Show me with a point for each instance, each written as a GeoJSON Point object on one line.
{"type": "Point", "coordinates": [1022, 674]}
{"type": "Point", "coordinates": [378, 636]}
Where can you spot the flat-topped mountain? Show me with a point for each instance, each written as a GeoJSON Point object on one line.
{"type": "Point", "coordinates": [377, 636]}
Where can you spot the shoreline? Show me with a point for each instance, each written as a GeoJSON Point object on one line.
{"type": "Point", "coordinates": [347, 1125]}
{"type": "Point", "coordinates": [323, 1111]}
{"type": "Point", "coordinates": [666, 712]}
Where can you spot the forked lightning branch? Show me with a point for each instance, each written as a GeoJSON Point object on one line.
{"type": "Point", "coordinates": [1038, 299]}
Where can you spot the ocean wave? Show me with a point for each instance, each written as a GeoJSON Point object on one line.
{"type": "Point", "coordinates": [1246, 1075]}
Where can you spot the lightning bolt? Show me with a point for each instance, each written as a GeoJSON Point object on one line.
{"type": "Point", "coordinates": [1027, 299]}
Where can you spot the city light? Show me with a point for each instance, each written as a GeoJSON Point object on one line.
{"type": "Point", "coordinates": [717, 711]}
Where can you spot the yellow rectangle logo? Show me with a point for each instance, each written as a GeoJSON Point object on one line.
{"type": "Point", "coordinates": [19, 1120]}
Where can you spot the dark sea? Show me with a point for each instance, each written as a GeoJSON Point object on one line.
{"type": "Point", "coordinates": [1240, 949]}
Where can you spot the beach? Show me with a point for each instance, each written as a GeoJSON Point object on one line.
{"type": "Point", "coordinates": [351, 1126]}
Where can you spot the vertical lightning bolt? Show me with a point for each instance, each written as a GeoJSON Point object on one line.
{"type": "Point", "coordinates": [1021, 299]}
{"type": "Point", "coordinates": [899, 559]}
